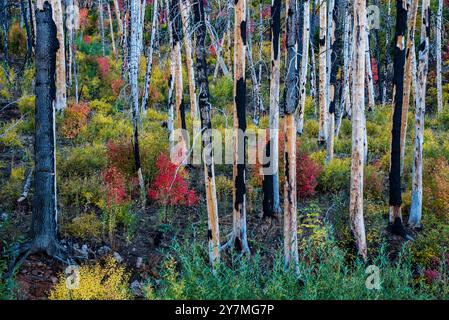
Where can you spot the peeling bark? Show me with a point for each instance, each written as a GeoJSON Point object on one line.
{"type": "Point", "coordinates": [358, 107]}
{"type": "Point", "coordinates": [204, 109]}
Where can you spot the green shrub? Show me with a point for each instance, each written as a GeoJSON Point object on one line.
{"type": "Point", "coordinates": [335, 176]}
{"type": "Point", "coordinates": [100, 106]}
{"type": "Point", "coordinates": [86, 227]}
{"type": "Point", "coordinates": [82, 161]}
{"type": "Point", "coordinates": [27, 104]}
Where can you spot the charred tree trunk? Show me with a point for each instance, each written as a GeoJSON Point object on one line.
{"type": "Point", "coordinates": [239, 238]}
{"type": "Point", "coordinates": [409, 59]}
{"type": "Point", "coordinates": [4, 18]}
{"type": "Point", "coordinates": [333, 65]}
{"type": "Point", "coordinates": [420, 109]}
{"type": "Point", "coordinates": [291, 96]}
{"type": "Point", "coordinates": [358, 109]}
{"type": "Point", "coordinates": [395, 191]}
{"type": "Point", "coordinates": [387, 65]}
{"type": "Point", "coordinates": [26, 22]}
{"type": "Point", "coordinates": [44, 226]}
{"type": "Point", "coordinates": [204, 109]}
{"type": "Point", "coordinates": [271, 204]}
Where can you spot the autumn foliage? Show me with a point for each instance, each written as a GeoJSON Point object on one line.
{"type": "Point", "coordinates": [170, 187]}
{"type": "Point", "coordinates": [75, 119]}
{"type": "Point", "coordinates": [115, 186]}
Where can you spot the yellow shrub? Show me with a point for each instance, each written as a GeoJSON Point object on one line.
{"type": "Point", "coordinates": [105, 280]}
{"type": "Point", "coordinates": [27, 105]}
{"type": "Point", "coordinates": [86, 226]}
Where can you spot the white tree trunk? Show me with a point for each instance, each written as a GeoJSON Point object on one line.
{"type": "Point", "coordinates": [323, 88]}
{"type": "Point", "coordinates": [111, 30]}
{"type": "Point", "coordinates": [100, 11]}
{"type": "Point", "coordinates": [150, 53]}
{"type": "Point", "coordinates": [439, 32]}
{"type": "Point", "coordinates": [185, 15]}
{"type": "Point", "coordinates": [304, 66]}
{"type": "Point", "coordinates": [420, 107]}
{"type": "Point", "coordinates": [133, 81]}
{"type": "Point", "coordinates": [358, 94]}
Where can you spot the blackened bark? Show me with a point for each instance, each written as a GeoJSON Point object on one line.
{"type": "Point", "coordinates": [398, 86]}
{"type": "Point", "coordinates": [4, 19]}
{"type": "Point", "coordinates": [44, 221]}
{"type": "Point", "coordinates": [291, 78]}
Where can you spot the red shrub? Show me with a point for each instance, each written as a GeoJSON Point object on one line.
{"type": "Point", "coordinates": [103, 66]}
{"type": "Point", "coordinates": [115, 186]}
{"type": "Point", "coordinates": [307, 172]}
{"type": "Point", "coordinates": [431, 276]}
{"type": "Point", "coordinates": [87, 39]}
{"type": "Point", "coordinates": [83, 13]}
{"type": "Point", "coordinates": [121, 156]}
{"type": "Point", "coordinates": [75, 119]}
{"type": "Point", "coordinates": [266, 12]}
{"type": "Point", "coordinates": [167, 191]}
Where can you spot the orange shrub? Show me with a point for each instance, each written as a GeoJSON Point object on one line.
{"type": "Point", "coordinates": [75, 119]}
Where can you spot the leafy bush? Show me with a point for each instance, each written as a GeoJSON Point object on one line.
{"type": "Point", "coordinates": [307, 172]}
{"type": "Point", "coordinates": [100, 106]}
{"type": "Point", "coordinates": [105, 280]}
{"type": "Point", "coordinates": [169, 186]}
{"type": "Point", "coordinates": [75, 119]}
{"type": "Point", "coordinates": [17, 40]}
{"type": "Point", "coordinates": [436, 187]}
{"type": "Point", "coordinates": [335, 176]}
{"type": "Point", "coordinates": [27, 104]}
{"type": "Point", "coordinates": [86, 227]}
{"type": "Point", "coordinates": [82, 161]}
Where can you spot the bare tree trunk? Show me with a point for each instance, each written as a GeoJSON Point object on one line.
{"type": "Point", "coordinates": [257, 95]}
{"type": "Point", "coordinates": [111, 30]}
{"type": "Point", "coordinates": [387, 54]}
{"type": "Point", "coordinates": [205, 107]}
{"type": "Point", "coordinates": [395, 191]}
{"type": "Point", "coordinates": [420, 107]}
{"type": "Point", "coordinates": [369, 73]}
{"type": "Point", "coordinates": [345, 100]}
{"type": "Point", "coordinates": [323, 120]}
{"type": "Point", "coordinates": [119, 18]}
{"type": "Point", "coordinates": [290, 200]}
{"type": "Point", "coordinates": [304, 66]}
{"type": "Point", "coordinates": [409, 56]}
{"type": "Point", "coordinates": [61, 93]}
{"type": "Point", "coordinates": [239, 238]}
{"type": "Point", "coordinates": [185, 15]}
{"type": "Point", "coordinates": [150, 52]}
{"type": "Point", "coordinates": [100, 13]}
{"type": "Point", "coordinates": [26, 21]}
{"type": "Point", "coordinates": [44, 226]}
{"type": "Point", "coordinates": [171, 83]}
{"type": "Point", "coordinates": [439, 32]}
{"type": "Point", "coordinates": [358, 109]}
{"type": "Point", "coordinates": [271, 203]}
{"type": "Point", "coordinates": [332, 71]}
{"type": "Point", "coordinates": [133, 77]}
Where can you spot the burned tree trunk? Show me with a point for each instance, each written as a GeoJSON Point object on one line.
{"type": "Point", "coordinates": [333, 66]}
{"type": "Point", "coordinates": [239, 238]}
{"type": "Point", "coordinates": [291, 96]}
{"type": "Point", "coordinates": [358, 109]}
{"type": "Point", "coordinates": [204, 109]}
{"type": "Point", "coordinates": [420, 109]}
{"type": "Point", "coordinates": [409, 59]}
{"type": "Point", "coordinates": [4, 19]}
{"type": "Point", "coordinates": [271, 205]}
{"type": "Point", "coordinates": [44, 224]}
{"type": "Point", "coordinates": [395, 191]}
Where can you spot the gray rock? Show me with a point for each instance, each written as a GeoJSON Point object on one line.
{"type": "Point", "coordinates": [136, 289]}
{"type": "Point", "coordinates": [117, 257]}
{"type": "Point", "coordinates": [139, 262]}
{"type": "Point", "coordinates": [104, 250]}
